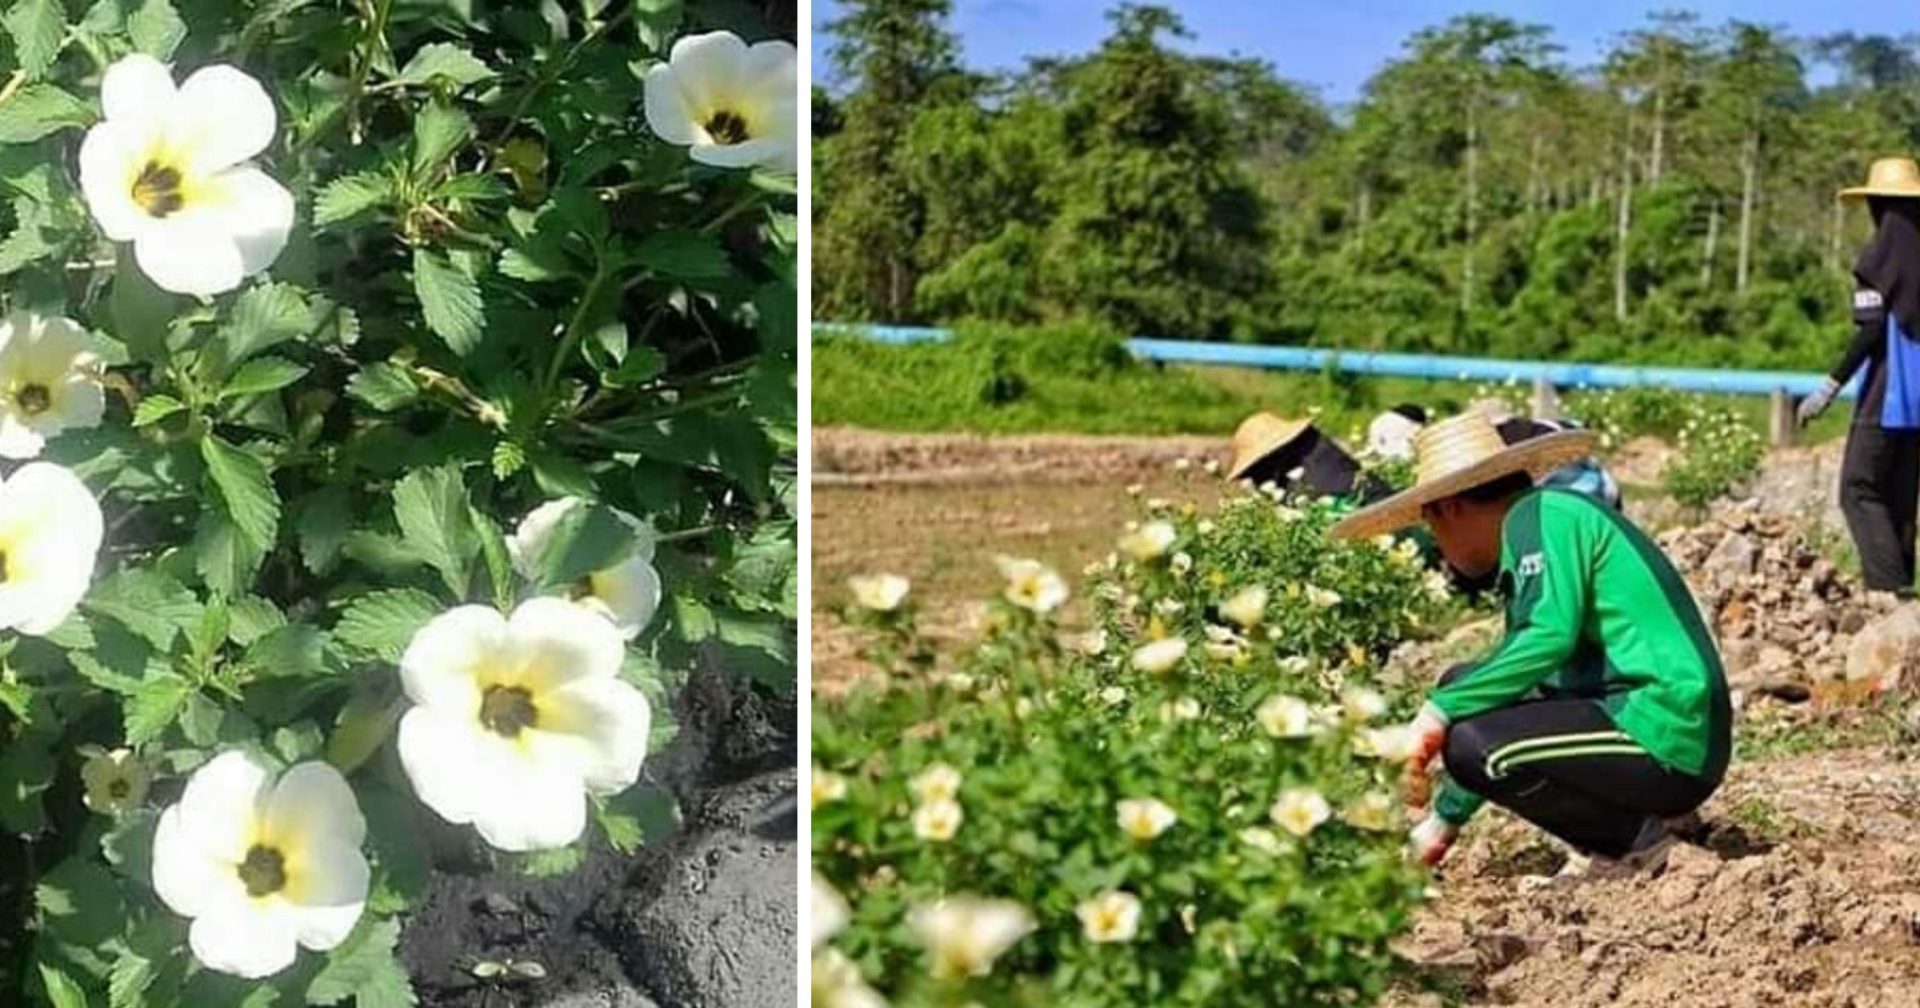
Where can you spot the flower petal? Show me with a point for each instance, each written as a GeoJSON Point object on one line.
{"type": "Point", "coordinates": [255, 211]}
{"type": "Point", "coordinates": [558, 643]}
{"type": "Point", "coordinates": [312, 804]}
{"type": "Point", "coordinates": [520, 798]}
{"type": "Point", "coordinates": [184, 255]}
{"type": "Point", "coordinates": [190, 878]}
{"type": "Point", "coordinates": [668, 113]}
{"type": "Point", "coordinates": [222, 117]}
{"type": "Point", "coordinates": [769, 69]}
{"type": "Point", "coordinates": [135, 88]}
{"type": "Point", "coordinates": [537, 804]}
{"type": "Point", "coordinates": [326, 892]}
{"type": "Point", "coordinates": [627, 593]}
{"type": "Point", "coordinates": [18, 440]}
{"type": "Point", "coordinates": [444, 752]}
{"type": "Point", "coordinates": [219, 804]}
{"type": "Point", "coordinates": [251, 940]}
{"type": "Point", "coordinates": [440, 665]}
{"type": "Point", "coordinates": [708, 68]}
{"type": "Point", "coordinates": [50, 531]}
{"type": "Point", "coordinates": [531, 535]}
{"type": "Point", "coordinates": [111, 157]}
{"type": "Point", "coordinates": [601, 727]}
{"type": "Point", "coordinates": [759, 150]}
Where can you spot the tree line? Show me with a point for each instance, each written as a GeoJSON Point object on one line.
{"type": "Point", "coordinates": [1674, 202]}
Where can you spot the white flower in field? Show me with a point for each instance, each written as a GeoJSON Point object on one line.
{"type": "Point", "coordinates": [1361, 704]}
{"type": "Point", "coordinates": [879, 592]}
{"type": "Point", "coordinates": [1160, 656]}
{"type": "Point", "coordinates": [1181, 564]}
{"type": "Point", "coordinates": [1394, 744]}
{"type": "Point", "coordinates": [1407, 553]}
{"type": "Point", "coordinates": [1211, 466]}
{"type": "Point", "coordinates": [168, 169]}
{"type": "Point", "coordinates": [965, 934]}
{"type": "Point", "coordinates": [1247, 607]}
{"type": "Point", "coordinates": [1149, 541]}
{"type": "Point", "coordinates": [1263, 840]}
{"type": "Point", "coordinates": [115, 781]}
{"type": "Point", "coordinates": [936, 783]}
{"type": "Point", "coordinates": [627, 593]}
{"type": "Point", "coordinates": [1371, 811]}
{"type": "Point", "coordinates": [1295, 665]}
{"type": "Point", "coordinates": [1144, 818]}
{"type": "Point", "coordinates": [938, 821]}
{"type": "Point", "coordinates": [1190, 918]}
{"type": "Point", "coordinates": [1288, 515]}
{"type": "Point", "coordinates": [1205, 526]}
{"type": "Point", "coordinates": [1322, 598]}
{"type": "Point", "coordinates": [1110, 917]}
{"type": "Point", "coordinates": [827, 787]}
{"type": "Point", "coordinates": [1182, 464]}
{"type": "Point", "coordinates": [1159, 504]}
{"type": "Point", "coordinates": [1136, 489]}
{"type": "Point", "coordinates": [732, 105]}
{"type": "Point", "coordinates": [1032, 585]}
{"type": "Point", "coordinates": [830, 912]}
{"type": "Point", "coordinates": [1183, 709]}
{"type": "Point", "coordinates": [1300, 811]}
{"type": "Point", "coordinates": [1092, 643]}
{"type": "Point", "coordinates": [1284, 716]}
{"type": "Point", "coordinates": [516, 719]}
{"type": "Point", "coordinates": [1295, 474]}
{"type": "Point", "coordinates": [1383, 542]}
{"type": "Point", "coordinates": [959, 682]}
{"type": "Point", "coordinates": [1169, 607]}
{"type": "Point", "coordinates": [837, 983]}
{"type": "Point", "coordinates": [49, 382]}
{"type": "Point", "coordinates": [1024, 707]}
{"type": "Point", "coordinates": [50, 531]}
{"type": "Point", "coordinates": [261, 866]}
{"type": "Point", "coordinates": [1113, 696]}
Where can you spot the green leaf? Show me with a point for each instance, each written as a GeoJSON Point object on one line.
{"type": "Point", "coordinates": [493, 549]}
{"type": "Point", "coordinates": [382, 623]}
{"type": "Point", "coordinates": [223, 555]}
{"type": "Point", "coordinates": [694, 619]}
{"type": "Point", "coordinates": [508, 458]}
{"type": "Point", "coordinates": [140, 311]}
{"type": "Point", "coordinates": [241, 479]}
{"type": "Point", "coordinates": [364, 968]}
{"type": "Point", "coordinates": [383, 385]}
{"type": "Point", "coordinates": [62, 991]}
{"type": "Point", "coordinates": [156, 29]}
{"type": "Point", "coordinates": [431, 508]}
{"type": "Point", "coordinates": [587, 538]}
{"type": "Point", "coordinates": [351, 195]}
{"type": "Point", "coordinates": [154, 706]}
{"type": "Point", "coordinates": [444, 59]}
{"type": "Point", "coordinates": [262, 374]}
{"type": "Point", "coordinates": [251, 618]}
{"type": "Point", "coordinates": [37, 110]}
{"type": "Point", "coordinates": [438, 130]}
{"type": "Point", "coordinates": [153, 605]}
{"type": "Point", "coordinates": [155, 408]}
{"type": "Point", "coordinates": [39, 29]}
{"type": "Point", "coordinates": [324, 521]}
{"type": "Point", "coordinates": [683, 255]}
{"type": "Point", "coordinates": [290, 651]}
{"type": "Point", "coordinates": [34, 237]}
{"type": "Point", "coordinates": [26, 774]}
{"type": "Point", "coordinates": [450, 300]}
{"type": "Point", "coordinates": [264, 315]}
{"type": "Point", "coordinates": [558, 861]}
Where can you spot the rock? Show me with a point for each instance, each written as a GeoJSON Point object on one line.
{"type": "Point", "coordinates": [1732, 560]}
{"type": "Point", "coordinates": [619, 997]}
{"type": "Point", "coordinates": [1886, 653]}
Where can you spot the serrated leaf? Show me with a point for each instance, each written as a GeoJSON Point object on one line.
{"type": "Point", "coordinates": [262, 374]}
{"type": "Point", "coordinates": [351, 195]}
{"type": "Point", "coordinates": [251, 617]}
{"type": "Point", "coordinates": [324, 521]}
{"type": "Point", "coordinates": [449, 299]}
{"type": "Point", "coordinates": [156, 29]}
{"type": "Point", "coordinates": [31, 240]}
{"type": "Point", "coordinates": [364, 968]}
{"type": "Point", "coordinates": [224, 556]}
{"type": "Point", "coordinates": [439, 129]}
{"type": "Point", "coordinates": [508, 458]}
{"type": "Point", "coordinates": [431, 507]}
{"type": "Point", "coordinates": [155, 408]}
{"type": "Point", "coordinates": [153, 605]}
{"type": "Point", "coordinates": [289, 651]}
{"type": "Point", "coordinates": [62, 991]}
{"type": "Point", "coordinates": [493, 549]}
{"type": "Point", "coordinates": [264, 316]}
{"type": "Point", "coordinates": [558, 861]}
{"type": "Point", "coordinates": [444, 59]}
{"type": "Point", "coordinates": [383, 385]}
{"type": "Point", "coordinates": [382, 623]}
{"type": "Point", "coordinates": [694, 619]}
{"type": "Point", "coordinates": [683, 255]}
{"type": "Point", "coordinates": [587, 538]}
{"type": "Point", "coordinates": [37, 110]}
{"type": "Point", "coordinates": [153, 707]}
{"type": "Point", "coordinates": [241, 480]}
{"type": "Point", "coordinates": [39, 28]}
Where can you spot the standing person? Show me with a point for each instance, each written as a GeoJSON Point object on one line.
{"type": "Point", "coordinates": [1603, 714]}
{"type": "Point", "coordinates": [1880, 472]}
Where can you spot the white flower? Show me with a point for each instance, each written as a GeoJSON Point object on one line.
{"type": "Point", "coordinates": [168, 170]}
{"type": "Point", "coordinates": [1181, 563]}
{"type": "Point", "coordinates": [1136, 489]}
{"type": "Point", "coordinates": [1361, 704]}
{"type": "Point", "coordinates": [1159, 656]}
{"type": "Point", "coordinates": [1284, 716]}
{"type": "Point", "coordinates": [50, 530]}
{"type": "Point", "coordinates": [627, 593]}
{"type": "Point", "coordinates": [1262, 839]}
{"type": "Point", "coordinates": [1032, 585]}
{"type": "Point", "coordinates": [115, 781]}
{"type": "Point", "coordinates": [1394, 744]}
{"type": "Point", "coordinates": [1299, 811]}
{"type": "Point", "coordinates": [938, 782]}
{"type": "Point", "coordinates": [1149, 541]}
{"type": "Point", "coordinates": [1182, 464]}
{"type": "Point", "coordinates": [49, 382]}
{"type": "Point", "coordinates": [1247, 607]}
{"type": "Point", "coordinates": [1113, 696]}
{"type": "Point", "coordinates": [938, 821]}
{"type": "Point", "coordinates": [829, 914]}
{"type": "Point", "coordinates": [1205, 526]}
{"type": "Point", "coordinates": [733, 105]}
{"type": "Point", "coordinates": [879, 592]}
{"type": "Point", "coordinates": [1183, 709]}
{"type": "Point", "coordinates": [1169, 606]}
{"type": "Point", "coordinates": [1371, 811]}
{"type": "Point", "coordinates": [827, 787]}
{"type": "Point", "coordinates": [1295, 474]}
{"type": "Point", "coordinates": [1322, 598]}
{"type": "Point", "coordinates": [1438, 588]}
{"type": "Point", "coordinates": [1383, 542]}
{"type": "Point", "coordinates": [1112, 916]}
{"type": "Point", "coordinates": [517, 719]}
{"type": "Point", "coordinates": [260, 866]}
{"type": "Point", "coordinates": [1295, 665]}
{"type": "Point", "coordinates": [837, 983]}
{"type": "Point", "coordinates": [1144, 818]}
{"type": "Point", "coordinates": [1288, 515]}
{"type": "Point", "coordinates": [1092, 643]}
{"type": "Point", "coordinates": [1211, 466]}
{"type": "Point", "coordinates": [965, 934]}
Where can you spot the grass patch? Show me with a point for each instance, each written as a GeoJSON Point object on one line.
{"type": "Point", "coordinates": [1762, 821]}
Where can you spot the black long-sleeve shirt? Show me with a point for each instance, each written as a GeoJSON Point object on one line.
{"type": "Point", "coordinates": [1869, 347]}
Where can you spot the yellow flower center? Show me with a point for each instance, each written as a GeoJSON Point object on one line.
{"type": "Point", "coordinates": [157, 189]}
{"type": "Point", "coordinates": [727, 127]}
{"type": "Point", "coordinates": [33, 399]}
{"type": "Point", "coordinates": [508, 710]}
{"type": "Point", "coordinates": [264, 871]}
{"type": "Point", "coordinates": [119, 788]}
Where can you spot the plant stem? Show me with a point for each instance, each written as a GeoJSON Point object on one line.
{"type": "Point", "coordinates": [571, 338]}
{"type": "Point", "coordinates": [751, 200]}
{"type": "Point", "coordinates": [684, 534]}
{"type": "Point", "coordinates": [554, 70]}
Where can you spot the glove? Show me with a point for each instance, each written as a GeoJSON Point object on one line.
{"type": "Point", "coordinates": [1812, 406]}
{"type": "Point", "coordinates": [1432, 838]}
{"type": "Point", "coordinates": [1427, 736]}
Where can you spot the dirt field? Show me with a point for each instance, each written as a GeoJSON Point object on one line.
{"type": "Point", "coordinates": [1803, 890]}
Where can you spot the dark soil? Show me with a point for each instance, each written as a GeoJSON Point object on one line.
{"type": "Point", "coordinates": [703, 918]}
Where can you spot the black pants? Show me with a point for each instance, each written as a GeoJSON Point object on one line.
{"type": "Point", "coordinates": [1564, 766]}
{"type": "Point", "coordinates": [1880, 495]}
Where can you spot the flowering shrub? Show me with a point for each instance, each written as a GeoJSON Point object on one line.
{"type": "Point", "coordinates": [1191, 804]}
{"type": "Point", "coordinates": [396, 395]}
{"type": "Point", "coordinates": [1717, 453]}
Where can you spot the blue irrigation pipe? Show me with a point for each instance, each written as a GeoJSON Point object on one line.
{"type": "Point", "coordinates": [1399, 365]}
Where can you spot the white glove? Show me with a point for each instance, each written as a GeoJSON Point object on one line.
{"type": "Point", "coordinates": [1432, 838]}
{"type": "Point", "coordinates": [1812, 406]}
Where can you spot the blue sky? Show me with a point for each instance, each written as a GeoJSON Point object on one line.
{"type": "Point", "coordinates": [1336, 46]}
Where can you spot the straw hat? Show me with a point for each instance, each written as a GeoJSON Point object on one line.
{"type": "Point", "coordinates": [1896, 176]}
{"type": "Point", "coordinates": [1454, 456]}
{"type": "Point", "coordinates": [1259, 436]}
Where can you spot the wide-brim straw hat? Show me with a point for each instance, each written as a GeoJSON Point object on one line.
{"type": "Point", "coordinates": [1259, 436]}
{"type": "Point", "coordinates": [1454, 456]}
{"type": "Point", "coordinates": [1898, 177]}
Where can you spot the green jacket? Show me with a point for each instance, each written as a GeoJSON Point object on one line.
{"type": "Point", "coordinates": [1594, 609]}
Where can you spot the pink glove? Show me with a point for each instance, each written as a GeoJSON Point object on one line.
{"type": "Point", "coordinates": [1432, 839]}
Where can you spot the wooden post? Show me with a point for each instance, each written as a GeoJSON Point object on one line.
{"type": "Point", "coordinates": [1546, 402]}
{"type": "Point", "coordinates": [1781, 423]}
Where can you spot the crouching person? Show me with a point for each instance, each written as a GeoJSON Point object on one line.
{"type": "Point", "coordinates": [1602, 715]}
